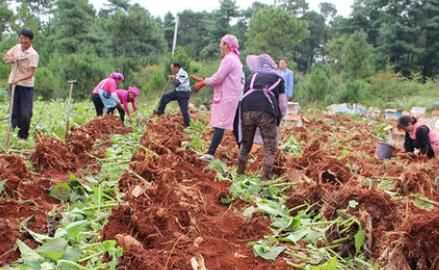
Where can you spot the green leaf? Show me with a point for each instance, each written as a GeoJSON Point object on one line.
{"type": "Point", "coordinates": [359, 238]}
{"type": "Point", "coordinates": [40, 238]}
{"type": "Point", "coordinates": [74, 229]}
{"type": "Point", "coordinates": [266, 252]}
{"type": "Point", "coordinates": [329, 265]}
{"type": "Point", "coordinates": [271, 207]}
{"type": "Point", "coordinates": [2, 186]}
{"type": "Point", "coordinates": [297, 235]}
{"type": "Point", "coordinates": [53, 249]}
{"type": "Point", "coordinates": [68, 265]}
{"type": "Point", "coordinates": [61, 191]}
{"type": "Point", "coordinates": [72, 254]}
{"type": "Point", "coordinates": [31, 259]}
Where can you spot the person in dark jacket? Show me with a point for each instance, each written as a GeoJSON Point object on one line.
{"type": "Point", "coordinates": [419, 137]}
{"type": "Point", "coordinates": [181, 93]}
{"type": "Point", "coordinates": [263, 104]}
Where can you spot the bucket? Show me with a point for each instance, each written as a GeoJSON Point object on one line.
{"type": "Point", "coordinates": [391, 114]}
{"type": "Point", "coordinates": [384, 151]}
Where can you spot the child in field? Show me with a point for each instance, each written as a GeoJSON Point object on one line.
{"type": "Point", "coordinates": [419, 136]}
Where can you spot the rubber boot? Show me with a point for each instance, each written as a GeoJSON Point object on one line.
{"type": "Point", "coordinates": [267, 173]}
{"type": "Point", "coordinates": [242, 164]}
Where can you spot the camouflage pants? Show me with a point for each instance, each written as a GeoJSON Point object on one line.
{"type": "Point", "coordinates": [267, 125]}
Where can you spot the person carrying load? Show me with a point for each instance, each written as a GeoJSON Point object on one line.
{"type": "Point", "coordinates": [261, 109]}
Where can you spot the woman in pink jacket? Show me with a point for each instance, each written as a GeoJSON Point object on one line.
{"type": "Point", "coordinates": [227, 83]}
{"type": "Point", "coordinates": [126, 97]}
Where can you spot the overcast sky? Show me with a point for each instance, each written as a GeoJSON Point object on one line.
{"type": "Point", "coordinates": [343, 6]}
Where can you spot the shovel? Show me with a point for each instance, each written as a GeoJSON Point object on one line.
{"type": "Point", "coordinates": [11, 109]}
{"type": "Point", "coordinates": [69, 106]}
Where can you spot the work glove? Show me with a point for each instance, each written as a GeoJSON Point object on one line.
{"type": "Point", "coordinates": [199, 85]}
{"type": "Point", "coordinates": [197, 78]}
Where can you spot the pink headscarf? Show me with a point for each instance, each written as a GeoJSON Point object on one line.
{"type": "Point", "coordinates": [117, 76]}
{"type": "Point", "coordinates": [232, 42]}
{"type": "Point", "coordinates": [261, 63]}
{"type": "Point", "coordinates": [134, 90]}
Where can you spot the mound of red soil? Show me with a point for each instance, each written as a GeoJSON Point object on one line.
{"type": "Point", "coordinates": [174, 213]}
{"type": "Point", "coordinates": [416, 247]}
{"type": "Point", "coordinates": [28, 193]}
{"type": "Point", "coordinates": [375, 210]}
{"type": "Point", "coordinates": [13, 213]}
{"type": "Point", "coordinates": [53, 156]}
{"type": "Point", "coordinates": [13, 170]}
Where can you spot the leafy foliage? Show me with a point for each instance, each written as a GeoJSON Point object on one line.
{"type": "Point", "coordinates": [274, 31]}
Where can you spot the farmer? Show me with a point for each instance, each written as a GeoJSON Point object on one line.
{"type": "Point", "coordinates": [24, 62]}
{"type": "Point", "coordinates": [104, 95]}
{"type": "Point", "coordinates": [126, 97]}
{"type": "Point", "coordinates": [288, 77]}
{"type": "Point", "coordinates": [262, 107]}
{"type": "Point", "coordinates": [419, 136]}
{"type": "Point", "coordinates": [227, 83]}
{"type": "Point", "coordinates": [181, 93]}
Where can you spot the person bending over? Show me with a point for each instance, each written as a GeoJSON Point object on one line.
{"type": "Point", "coordinates": [419, 137]}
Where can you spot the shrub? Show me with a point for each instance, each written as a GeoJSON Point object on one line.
{"type": "Point", "coordinates": [316, 86]}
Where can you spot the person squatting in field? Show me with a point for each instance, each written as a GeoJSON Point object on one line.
{"type": "Point", "coordinates": [181, 93]}
{"type": "Point", "coordinates": [419, 136]}
{"type": "Point", "coordinates": [24, 62]}
{"type": "Point", "coordinates": [261, 109]}
{"type": "Point", "coordinates": [227, 83]}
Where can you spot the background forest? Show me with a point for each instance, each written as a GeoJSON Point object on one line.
{"type": "Point", "coordinates": [386, 53]}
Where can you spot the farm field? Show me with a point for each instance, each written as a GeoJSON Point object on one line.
{"type": "Point", "coordinates": [137, 197]}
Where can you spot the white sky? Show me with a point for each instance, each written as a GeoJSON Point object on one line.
{"type": "Point", "coordinates": [174, 6]}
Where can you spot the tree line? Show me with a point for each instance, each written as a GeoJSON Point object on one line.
{"type": "Point", "coordinates": [77, 41]}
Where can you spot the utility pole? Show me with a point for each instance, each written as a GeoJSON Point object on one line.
{"type": "Point", "coordinates": [174, 42]}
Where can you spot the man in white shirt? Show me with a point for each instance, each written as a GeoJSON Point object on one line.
{"type": "Point", "coordinates": [181, 93]}
{"type": "Point", "coordinates": [24, 62]}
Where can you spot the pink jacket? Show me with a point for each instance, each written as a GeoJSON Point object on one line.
{"type": "Point", "coordinates": [228, 84]}
{"type": "Point", "coordinates": [434, 137]}
{"type": "Point", "coordinates": [109, 84]}
{"type": "Point", "coordinates": [123, 97]}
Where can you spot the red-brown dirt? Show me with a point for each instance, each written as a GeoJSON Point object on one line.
{"type": "Point", "coordinates": [174, 214]}
{"type": "Point", "coordinates": [27, 193]}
